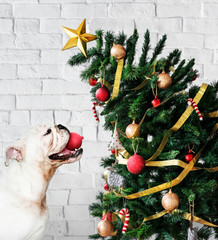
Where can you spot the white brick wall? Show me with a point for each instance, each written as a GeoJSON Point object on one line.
{"type": "Point", "coordinates": [37, 85]}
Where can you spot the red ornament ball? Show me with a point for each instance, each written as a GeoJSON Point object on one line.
{"type": "Point", "coordinates": [155, 102]}
{"type": "Point", "coordinates": [75, 141]}
{"type": "Point", "coordinates": [136, 164]}
{"type": "Point", "coordinates": [189, 156]}
{"type": "Point", "coordinates": [92, 81]}
{"type": "Point", "coordinates": [106, 187]}
{"type": "Point", "coordinates": [102, 94]}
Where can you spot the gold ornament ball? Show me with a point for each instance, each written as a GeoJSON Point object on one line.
{"type": "Point", "coordinates": [118, 51]}
{"type": "Point", "coordinates": [105, 228]}
{"type": "Point", "coordinates": [170, 201]}
{"type": "Point", "coordinates": [164, 80]}
{"type": "Point", "coordinates": [132, 130]}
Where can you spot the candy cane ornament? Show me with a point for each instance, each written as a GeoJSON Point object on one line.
{"type": "Point", "coordinates": [192, 103]}
{"type": "Point", "coordinates": [124, 211]}
{"type": "Point", "coordinates": [94, 110]}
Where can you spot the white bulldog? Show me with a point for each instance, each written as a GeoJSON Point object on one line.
{"type": "Point", "coordinates": [33, 161]}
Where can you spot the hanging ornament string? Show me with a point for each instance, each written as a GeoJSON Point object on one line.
{"type": "Point", "coordinates": [191, 210]}
{"type": "Point", "coordinates": [154, 93]}
{"type": "Point", "coordinates": [192, 232]}
{"type": "Point", "coordinates": [137, 146]}
{"type": "Point", "coordinates": [177, 180]}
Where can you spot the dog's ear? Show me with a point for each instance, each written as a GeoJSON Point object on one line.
{"type": "Point", "coordinates": [15, 152]}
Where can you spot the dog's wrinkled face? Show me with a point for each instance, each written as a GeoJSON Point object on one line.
{"type": "Point", "coordinates": [44, 144]}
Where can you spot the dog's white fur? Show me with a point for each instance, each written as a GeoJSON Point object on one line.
{"type": "Point", "coordinates": [23, 209]}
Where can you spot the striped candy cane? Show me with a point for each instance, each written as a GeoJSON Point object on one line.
{"type": "Point", "coordinates": [124, 211]}
{"type": "Point", "coordinates": [94, 110]}
{"type": "Point", "coordinates": [192, 103]}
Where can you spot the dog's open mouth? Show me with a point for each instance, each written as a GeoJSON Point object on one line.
{"type": "Point", "coordinates": [66, 154]}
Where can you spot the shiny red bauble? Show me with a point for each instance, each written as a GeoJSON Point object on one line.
{"type": "Point", "coordinates": [106, 187]}
{"type": "Point", "coordinates": [189, 156]}
{"type": "Point", "coordinates": [92, 81]}
{"type": "Point", "coordinates": [108, 215]}
{"type": "Point", "coordinates": [75, 141]}
{"type": "Point", "coordinates": [155, 102]}
{"type": "Point", "coordinates": [135, 164]}
{"type": "Point", "coordinates": [102, 94]}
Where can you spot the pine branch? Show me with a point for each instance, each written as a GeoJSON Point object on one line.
{"type": "Point", "coordinates": [145, 49]}
{"type": "Point", "coordinates": [172, 59]}
{"type": "Point", "coordinates": [131, 46]}
{"type": "Point", "coordinates": [120, 39]}
{"type": "Point", "coordinates": [109, 39]}
{"type": "Point", "coordinates": [80, 58]}
{"type": "Point", "coordinates": [99, 40]}
{"type": "Point", "coordinates": [158, 49]}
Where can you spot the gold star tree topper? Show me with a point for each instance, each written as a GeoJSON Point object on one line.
{"type": "Point", "coordinates": [78, 37]}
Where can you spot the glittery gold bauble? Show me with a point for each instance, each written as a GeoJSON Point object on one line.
{"type": "Point", "coordinates": [164, 80]}
{"type": "Point", "coordinates": [118, 51]}
{"type": "Point", "coordinates": [132, 130]}
{"type": "Point", "coordinates": [170, 201]}
{"type": "Point", "coordinates": [105, 228]}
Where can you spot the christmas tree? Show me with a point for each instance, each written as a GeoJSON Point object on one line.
{"type": "Point", "coordinates": [167, 132]}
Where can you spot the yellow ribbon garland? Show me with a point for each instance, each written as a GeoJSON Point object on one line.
{"type": "Point", "coordinates": [167, 163]}
{"type": "Point", "coordinates": [117, 78]}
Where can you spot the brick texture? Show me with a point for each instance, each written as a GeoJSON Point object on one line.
{"type": "Point", "coordinates": [37, 85]}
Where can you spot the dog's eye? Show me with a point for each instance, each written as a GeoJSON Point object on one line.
{"type": "Point", "coordinates": [48, 132]}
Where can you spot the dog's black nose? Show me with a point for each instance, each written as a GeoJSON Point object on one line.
{"type": "Point", "coordinates": [62, 127]}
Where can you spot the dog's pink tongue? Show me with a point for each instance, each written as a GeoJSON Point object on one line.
{"type": "Point", "coordinates": [66, 151]}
